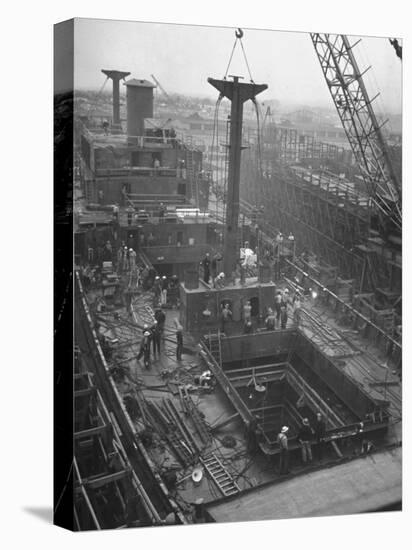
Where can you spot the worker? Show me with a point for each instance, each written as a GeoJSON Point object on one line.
{"type": "Point", "coordinates": [160, 318]}
{"type": "Point", "coordinates": [279, 242]}
{"type": "Point", "coordinates": [297, 304]}
{"type": "Point", "coordinates": [162, 210]}
{"type": "Point", "coordinates": [248, 327]}
{"type": "Point", "coordinates": [165, 286]}
{"type": "Point", "coordinates": [285, 296]}
{"type": "Point", "coordinates": [226, 315]}
{"type": "Point", "coordinates": [182, 169]}
{"type": "Point", "coordinates": [179, 341]}
{"type": "Point", "coordinates": [116, 213]}
{"type": "Point", "coordinates": [156, 335]}
{"type": "Point", "coordinates": [247, 312]}
{"type": "Point", "coordinates": [278, 303]}
{"type": "Point", "coordinates": [305, 436]}
{"type": "Point", "coordinates": [270, 321]}
{"type": "Point", "coordinates": [282, 440]}
{"type": "Point", "coordinates": [120, 259]}
{"type": "Point", "coordinates": [205, 379]}
{"type": "Point", "coordinates": [125, 259]}
{"type": "Point", "coordinates": [145, 348]}
{"type": "Point", "coordinates": [90, 255]}
{"type": "Point", "coordinates": [173, 292]}
{"type": "Point", "coordinates": [123, 197]}
{"type": "Point", "coordinates": [213, 264]}
{"type": "Point", "coordinates": [105, 126]}
{"type": "Point", "coordinates": [151, 277]}
{"type": "Point", "coordinates": [320, 431]}
{"type": "Point", "coordinates": [128, 295]}
{"type": "Point", "coordinates": [108, 252]}
{"type": "Point", "coordinates": [283, 316]}
{"type": "Point", "coordinates": [206, 268]}
{"type": "Point", "coordinates": [132, 259]}
{"type": "Point", "coordinates": [142, 240]}
{"type": "Point", "coordinates": [157, 289]}
{"type": "Point", "coordinates": [220, 280]}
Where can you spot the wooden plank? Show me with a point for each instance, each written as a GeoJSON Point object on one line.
{"type": "Point", "coordinates": [104, 480]}
{"type": "Point", "coordinates": [224, 422]}
{"type": "Point", "coordinates": [83, 393]}
{"type": "Point", "coordinates": [91, 432]}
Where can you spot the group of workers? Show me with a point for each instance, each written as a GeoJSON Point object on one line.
{"type": "Point", "coordinates": [152, 338]}
{"type": "Point", "coordinates": [211, 274]}
{"type": "Point", "coordinates": [126, 259]}
{"type": "Point", "coordinates": [165, 291]}
{"type": "Point", "coordinates": [306, 436]}
{"type": "Point", "coordinates": [275, 319]}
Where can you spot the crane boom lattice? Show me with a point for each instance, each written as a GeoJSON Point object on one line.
{"type": "Point", "coordinates": [351, 99]}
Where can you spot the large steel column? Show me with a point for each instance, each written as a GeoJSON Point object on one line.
{"type": "Point", "coordinates": [238, 93]}
{"type": "Point", "coordinates": [116, 76]}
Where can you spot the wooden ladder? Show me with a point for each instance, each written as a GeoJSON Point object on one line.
{"type": "Point", "coordinates": [215, 347]}
{"type": "Point", "coordinates": [224, 481]}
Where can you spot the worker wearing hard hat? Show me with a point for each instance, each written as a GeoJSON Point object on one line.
{"type": "Point", "coordinates": [282, 440]}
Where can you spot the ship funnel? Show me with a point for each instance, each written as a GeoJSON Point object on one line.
{"type": "Point", "coordinates": [139, 106]}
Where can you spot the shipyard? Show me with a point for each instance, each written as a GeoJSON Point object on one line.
{"type": "Point", "coordinates": [237, 297]}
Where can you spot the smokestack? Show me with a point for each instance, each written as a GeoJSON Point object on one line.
{"type": "Point", "coordinates": [116, 76]}
{"type": "Point", "coordinates": [139, 105]}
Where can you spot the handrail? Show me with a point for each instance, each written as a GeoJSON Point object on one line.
{"type": "Point", "coordinates": [346, 305]}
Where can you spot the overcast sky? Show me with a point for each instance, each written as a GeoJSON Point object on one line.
{"type": "Point", "coordinates": [183, 57]}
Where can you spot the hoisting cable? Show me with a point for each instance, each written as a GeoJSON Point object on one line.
{"type": "Point", "coordinates": [247, 64]}
{"type": "Point", "coordinates": [239, 36]}
{"type": "Point", "coordinates": [215, 136]}
{"type": "Point", "coordinates": [259, 159]}
{"type": "Point", "coordinates": [97, 97]}
{"type": "Point", "coordinates": [230, 59]}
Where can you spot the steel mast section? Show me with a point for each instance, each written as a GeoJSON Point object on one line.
{"type": "Point", "coordinates": [348, 91]}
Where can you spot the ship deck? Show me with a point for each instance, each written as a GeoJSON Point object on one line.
{"type": "Point", "coordinates": [145, 392]}
{"type": "Point", "coordinates": [342, 489]}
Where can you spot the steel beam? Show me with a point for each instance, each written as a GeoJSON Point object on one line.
{"type": "Point", "coordinates": [238, 93]}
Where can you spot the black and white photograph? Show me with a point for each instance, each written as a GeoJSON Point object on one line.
{"type": "Point", "coordinates": [236, 206]}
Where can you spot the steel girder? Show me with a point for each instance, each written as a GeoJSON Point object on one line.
{"type": "Point", "coordinates": [363, 131]}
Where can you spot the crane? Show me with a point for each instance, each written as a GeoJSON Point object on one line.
{"type": "Point", "coordinates": [351, 99]}
{"type": "Point", "coordinates": [398, 48]}
{"type": "Point", "coordinates": [160, 86]}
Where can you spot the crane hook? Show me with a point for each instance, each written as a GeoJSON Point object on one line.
{"type": "Point", "coordinates": [239, 33]}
